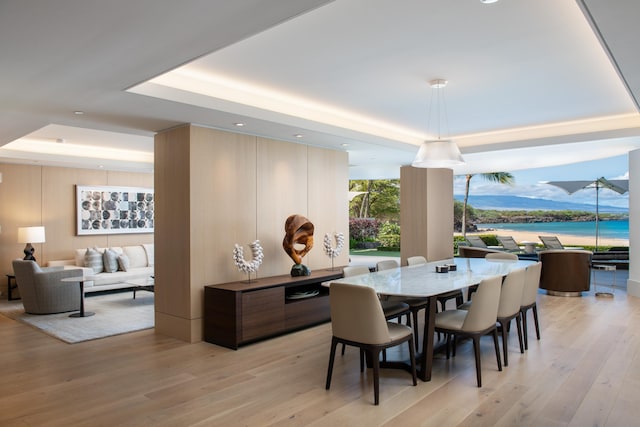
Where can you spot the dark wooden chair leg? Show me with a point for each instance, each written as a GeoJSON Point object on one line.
{"type": "Point", "coordinates": [476, 352]}
{"type": "Point", "coordinates": [505, 337]}
{"type": "Point", "coordinates": [525, 332]}
{"type": "Point", "coordinates": [412, 359]}
{"type": "Point", "coordinates": [334, 344]}
{"type": "Point", "coordinates": [375, 361]}
{"type": "Point", "coordinates": [519, 326]}
{"type": "Point", "coordinates": [535, 320]}
{"type": "Point", "coordinates": [495, 343]}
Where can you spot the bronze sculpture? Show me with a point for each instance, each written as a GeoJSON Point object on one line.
{"type": "Point", "coordinates": [298, 231]}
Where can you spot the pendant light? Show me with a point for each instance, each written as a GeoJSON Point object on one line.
{"type": "Point", "coordinates": [440, 153]}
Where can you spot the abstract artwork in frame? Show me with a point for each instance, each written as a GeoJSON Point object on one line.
{"type": "Point", "coordinates": [114, 210]}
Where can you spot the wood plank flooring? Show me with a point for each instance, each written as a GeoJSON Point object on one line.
{"type": "Point", "coordinates": [584, 371]}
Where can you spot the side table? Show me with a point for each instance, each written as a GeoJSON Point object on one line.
{"type": "Point", "coordinates": [604, 267]}
{"type": "Point", "coordinates": [80, 280]}
{"type": "Point", "coordinates": [10, 287]}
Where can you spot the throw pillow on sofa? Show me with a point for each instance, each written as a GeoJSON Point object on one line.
{"type": "Point", "coordinates": [93, 260]}
{"type": "Point", "coordinates": [110, 259]}
{"type": "Point", "coordinates": [123, 262]}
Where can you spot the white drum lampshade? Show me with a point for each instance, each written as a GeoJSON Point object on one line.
{"type": "Point", "coordinates": [30, 235]}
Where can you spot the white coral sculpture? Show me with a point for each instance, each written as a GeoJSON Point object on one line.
{"type": "Point", "coordinates": [248, 266]}
{"type": "Point", "coordinates": [329, 249]}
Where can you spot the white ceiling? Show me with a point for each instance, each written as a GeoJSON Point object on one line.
{"type": "Point", "coordinates": [531, 83]}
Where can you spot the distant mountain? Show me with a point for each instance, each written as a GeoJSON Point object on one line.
{"type": "Point", "coordinates": [512, 203]}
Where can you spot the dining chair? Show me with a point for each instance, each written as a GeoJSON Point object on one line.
{"type": "Point", "coordinates": [479, 320]}
{"type": "Point", "coordinates": [509, 243]}
{"type": "Point", "coordinates": [508, 308]}
{"type": "Point", "coordinates": [387, 264]}
{"type": "Point", "coordinates": [492, 256]}
{"type": "Point", "coordinates": [392, 308]}
{"type": "Point", "coordinates": [416, 260]}
{"type": "Point", "coordinates": [415, 304]}
{"type": "Point", "coordinates": [357, 319]}
{"type": "Point", "coordinates": [529, 295]}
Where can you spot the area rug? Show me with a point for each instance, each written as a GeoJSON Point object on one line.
{"type": "Point", "coordinates": [115, 313]}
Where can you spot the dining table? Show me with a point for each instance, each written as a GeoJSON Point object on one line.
{"type": "Point", "coordinates": [428, 281]}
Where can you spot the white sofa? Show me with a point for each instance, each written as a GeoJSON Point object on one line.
{"type": "Point", "coordinates": [140, 265]}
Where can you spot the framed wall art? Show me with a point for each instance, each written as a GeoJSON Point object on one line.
{"type": "Point", "coordinates": [114, 210]}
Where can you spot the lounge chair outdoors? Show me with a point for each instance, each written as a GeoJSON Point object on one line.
{"type": "Point", "coordinates": [509, 244]}
{"type": "Point", "coordinates": [476, 241]}
{"type": "Point", "coordinates": [551, 242]}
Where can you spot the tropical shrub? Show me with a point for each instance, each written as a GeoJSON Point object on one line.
{"type": "Point", "coordinates": [389, 236]}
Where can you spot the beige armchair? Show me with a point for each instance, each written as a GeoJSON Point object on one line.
{"type": "Point", "coordinates": [42, 291]}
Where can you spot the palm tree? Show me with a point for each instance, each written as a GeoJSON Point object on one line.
{"type": "Point", "coordinates": [499, 177]}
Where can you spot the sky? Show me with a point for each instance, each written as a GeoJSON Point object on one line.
{"type": "Point", "coordinates": [528, 183]}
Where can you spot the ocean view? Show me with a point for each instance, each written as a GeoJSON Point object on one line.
{"type": "Point", "coordinates": [618, 229]}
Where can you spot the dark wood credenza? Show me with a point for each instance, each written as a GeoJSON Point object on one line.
{"type": "Point", "coordinates": [241, 312]}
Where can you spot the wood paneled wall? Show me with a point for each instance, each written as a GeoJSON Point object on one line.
{"type": "Point", "coordinates": [215, 189]}
{"type": "Point", "coordinates": [426, 216]}
{"type": "Point", "coordinates": [43, 195]}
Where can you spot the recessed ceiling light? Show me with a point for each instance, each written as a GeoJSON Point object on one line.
{"type": "Point", "coordinates": [344, 144]}
{"type": "Point", "coordinates": [239, 124]}
{"type": "Point", "coordinates": [298, 135]}
{"type": "Point", "coordinates": [488, 1]}
{"type": "Point", "coordinates": [78, 113]}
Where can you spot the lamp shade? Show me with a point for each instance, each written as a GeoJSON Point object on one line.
{"type": "Point", "coordinates": [438, 154]}
{"type": "Point", "coordinates": [31, 235]}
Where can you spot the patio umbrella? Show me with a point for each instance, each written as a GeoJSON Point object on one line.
{"type": "Point", "coordinates": [620, 186]}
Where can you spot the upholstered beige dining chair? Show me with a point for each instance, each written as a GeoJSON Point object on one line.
{"type": "Point", "coordinates": [479, 320]}
{"type": "Point", "coordinates": [387, 264]}
{"type": "Point", "coordinates": [357, 319]}
{"type": "Point", "coordinates": [392, 308]}
{"type": "Point", "coordinates": [508, 308]}
{"type": "Point", "coordinates": [415, 304]}
{"type": "Point", "coordinates": [416, 260]}
{"type": "Point", "coordinates": [529, 296]}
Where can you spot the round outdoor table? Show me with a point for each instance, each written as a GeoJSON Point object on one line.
{"type": "Point", "coordinates": [529, 247]}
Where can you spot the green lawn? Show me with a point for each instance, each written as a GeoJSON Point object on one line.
{"type": "Point", "coordinates": [373, 252]}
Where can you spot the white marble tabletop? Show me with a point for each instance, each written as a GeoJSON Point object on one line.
{"type": "Point", "coordinates": [423, 281]}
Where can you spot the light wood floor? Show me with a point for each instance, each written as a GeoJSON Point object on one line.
{"type": "Point", "coordinates": [584, 372]}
